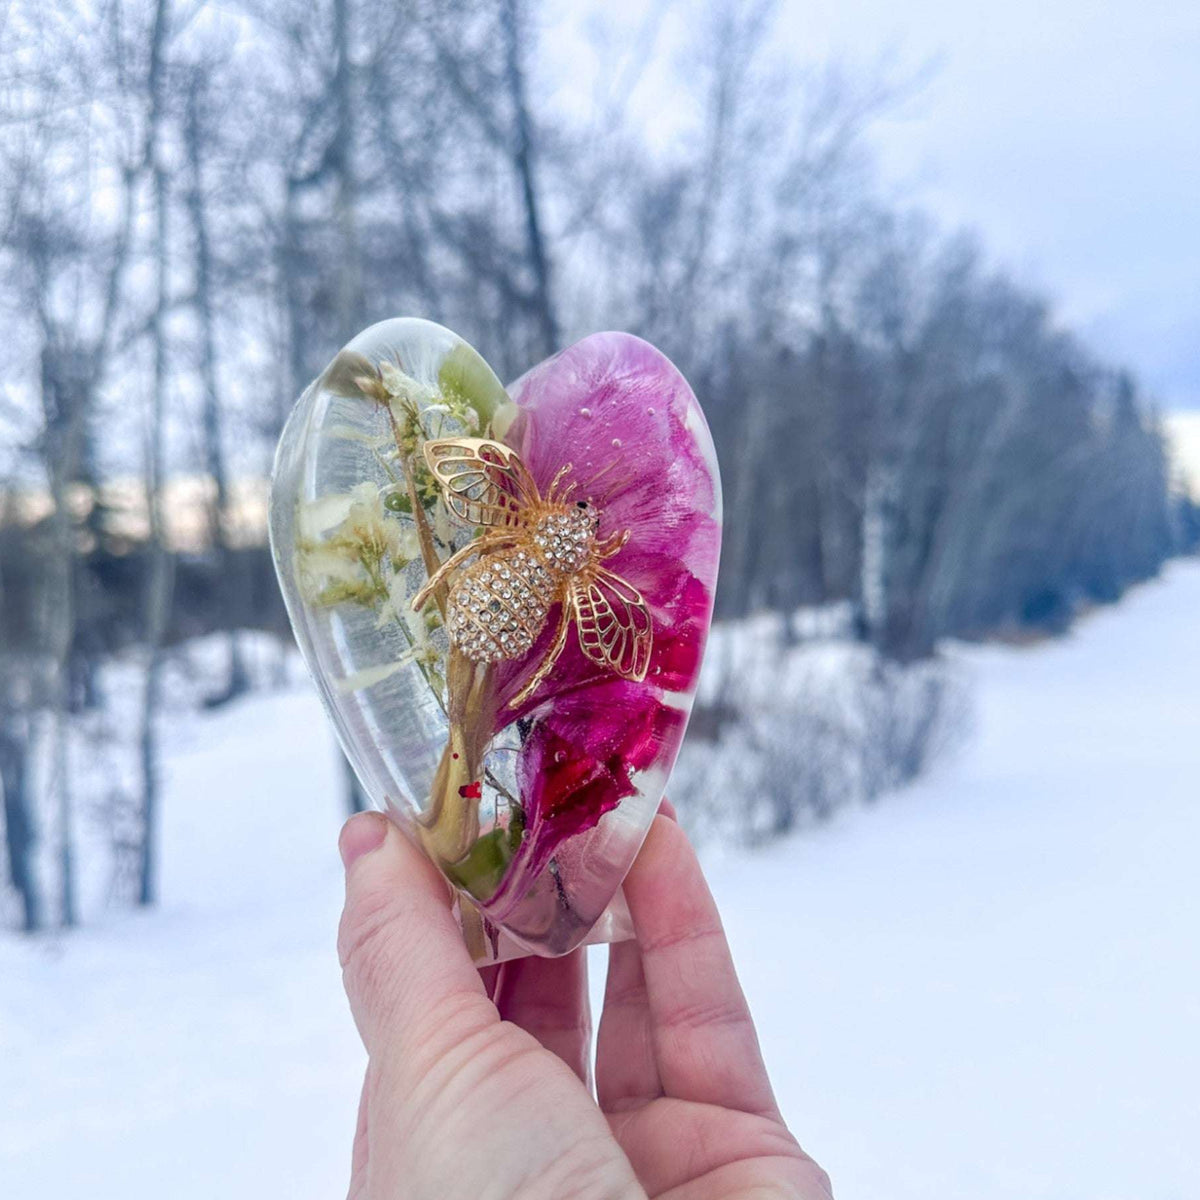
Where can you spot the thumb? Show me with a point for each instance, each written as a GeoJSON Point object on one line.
{"type": "Point", "coordinates": [406, 970]}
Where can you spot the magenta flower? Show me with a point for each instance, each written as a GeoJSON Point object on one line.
{"type": "Point", "coordinates": [619, 412]}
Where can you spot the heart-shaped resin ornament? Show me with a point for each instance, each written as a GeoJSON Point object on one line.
{"type": "Point", "coordinates": [503, 597]}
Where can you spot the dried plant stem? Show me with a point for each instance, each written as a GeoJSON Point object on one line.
{"type": "Point", "coordinates": [451, 827]}
{"type": "Point", "coordinates": [471, 921]}
{"type": "Point", "coordinates": [429, 554]}
{"type": "Point", "coordinates": [434, 689]}
{"type": "Point", "coordinates": [424, 534]}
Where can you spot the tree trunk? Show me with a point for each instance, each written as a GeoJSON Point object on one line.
{"type": "Point", "coordinates": [19, 831]}
{"type": "Point", "coordinates": [67, 400]}
{"type": "Point", "coordinates": [522, 155]}
{"type": "Point", "coordinates": [350, 299]}
{"type": "Point", "coordinates": [159, 573]}
{"type": "Point", "coordinates": [211, 418]}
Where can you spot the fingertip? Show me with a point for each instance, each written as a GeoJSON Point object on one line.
{"type": "Point", "coordinates": [665, 849]}
{"type": "Point", "coordinates": [380, 856]}
{"type": "Point", "coordinates": [665, 876]}
{"type": "Point", "coordinates": [667, 809]}
{"type": "Point", "coordinates": [390, 881]}
{"type": "Point", "coordinates": [362, 833]}
{"type": "Point", "coordinates": [401, 950]}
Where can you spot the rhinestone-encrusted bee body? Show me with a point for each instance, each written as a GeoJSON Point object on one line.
{"type": "Point", "coordinates": [498, 605]}
{"type": "Point", "coordinates": [534, 553]}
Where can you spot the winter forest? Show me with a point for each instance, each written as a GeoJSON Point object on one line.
{"type": "Point", "coordinates": [199, 204]}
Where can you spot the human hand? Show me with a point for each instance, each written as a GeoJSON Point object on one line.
{"type": "Point", "coordinates": [478, 1082]}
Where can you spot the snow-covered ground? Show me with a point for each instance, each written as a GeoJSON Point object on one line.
{"type": "Point", "coordinates": [986, 987]}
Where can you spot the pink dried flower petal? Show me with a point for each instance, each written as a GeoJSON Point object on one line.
{"type": "Point", "coordinates": [620, 413]}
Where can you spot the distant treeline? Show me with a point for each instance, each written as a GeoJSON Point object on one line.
{"type": "Point", "coordinates": [108, 585]}
{"type": "Point", "coordinates": [201, 203]}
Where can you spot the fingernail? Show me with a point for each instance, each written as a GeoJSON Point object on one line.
{"type": "Point", "coordinates": [360, 835]}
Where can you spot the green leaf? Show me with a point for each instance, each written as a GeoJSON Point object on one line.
{"type": "Point", "coordinates": [465, 376]}
{"type": "Point", "coordinates": [483, 867]}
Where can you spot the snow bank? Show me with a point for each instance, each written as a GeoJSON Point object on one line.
{"type": "Point", "coordinates": [797, 721]}
{"type": "Point", "coordinates": [982, 989]}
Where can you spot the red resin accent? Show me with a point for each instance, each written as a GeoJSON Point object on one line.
{"type": "Point", "coordinates": [471, 791]}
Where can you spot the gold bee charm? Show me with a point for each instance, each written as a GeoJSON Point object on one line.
{"type": "Point", "coordinates": [535, 552]}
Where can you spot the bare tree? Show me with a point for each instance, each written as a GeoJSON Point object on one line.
{"type": "Point", "coordinates": [158, 577]}
{"type": "Point", "coordinates": [201, 137]}
{"type": "Point", "coordinates": [521, 149]}
{"type": "Point", "coordinates": [69, 266]}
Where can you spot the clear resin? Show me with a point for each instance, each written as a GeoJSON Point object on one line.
{"type": "Point", "coordinates": [503, 597]}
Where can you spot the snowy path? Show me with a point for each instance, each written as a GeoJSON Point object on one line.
{"type": "Point", "coordinates": [987, 988]}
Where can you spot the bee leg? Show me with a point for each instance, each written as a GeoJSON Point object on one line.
{"type": "Point", "coordinates": [563, 470]}
{"type": "Point", "coordinates": [610, 545]}
{"type": "Point", "coordinates": [560, 641]}
{"type": "Point", "coordinates": [455, 560]}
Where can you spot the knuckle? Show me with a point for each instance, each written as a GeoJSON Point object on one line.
{"type": "Point", "coordinates": [705, 1014]}
{"type": "Point", "coordinates": [471, 1051]}
{"type": "Point", "coordinates": [683, 939]}
{"type": "Point", "coordinates": [626, 996]}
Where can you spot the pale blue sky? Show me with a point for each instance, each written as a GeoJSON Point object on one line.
{"type": "Point", "coordinates": [1066, 133]}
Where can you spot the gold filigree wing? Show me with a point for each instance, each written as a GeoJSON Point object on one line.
{"type": "Point", "coordinates": [483, 482]}
{"type": "Point", "coordinates": [613, 623]}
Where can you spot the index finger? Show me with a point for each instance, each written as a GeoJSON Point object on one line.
{"type": "Point", "coordinates": [704, 1038]}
